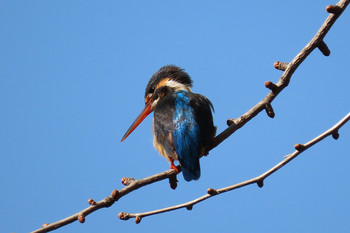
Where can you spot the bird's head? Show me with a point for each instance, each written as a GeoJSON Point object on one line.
{"type": "Point", "coordinates": [167, 79]}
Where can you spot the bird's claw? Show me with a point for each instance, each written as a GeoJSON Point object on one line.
{"type": "Point", "coordinates": [172, 166]}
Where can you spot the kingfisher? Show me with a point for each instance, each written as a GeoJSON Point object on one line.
{"type": "Point", "coordinates": [183, 126]}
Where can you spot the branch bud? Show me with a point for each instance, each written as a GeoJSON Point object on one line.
{"type": "Point", "coordinates": [81, 218]}
{"type": "Point", "coordinates": [123, 216]}
{"type": "Point", "coordinates": [230, 122]}
{"type": "Point", "coordinates": [299, 147]}
{"type": "Point", "coordinates": [92, 202]}
{"type": "Point", "coordinates": [323, 48]}
{"type": "Point", "coordinates": [138, 219]}
{"type": "Point", "coordinates": [333, 9]}
{"type": "Point", "coordinates": [269, 110]}
{"type": "Point", "coordinates": [173, 182]}
{"type": "Point", "coordinates": [270, 85]}
{"type": "Point", "coordinates": [127, 180]}
{"type": "Point", "coordinates": [280, 65]}
{"type": "Point", "coordinates": [189, 207]}
{"type": "Point", "coordinates": [45, 225]}
{"type": "Point", "coordinates": [115, 194]}
{"type": "Point", "coordinates": [212, 191]}
{"type": "Point", "coordinates": [335, 135]}
{"type": "Point", "coordinates": [260, 183]}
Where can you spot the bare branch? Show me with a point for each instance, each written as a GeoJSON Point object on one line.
{"type": "Point", "coordinates": [259, 180]}
{"type": "Point", "coordinates": [234, 125]}
{"type": "Point", "coordinates": [289, 68]}
{"type": "Point", "coordinates": [110, 200]}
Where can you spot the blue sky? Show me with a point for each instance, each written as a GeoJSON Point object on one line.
{"type": "Point", "coordinates": [73, 75]}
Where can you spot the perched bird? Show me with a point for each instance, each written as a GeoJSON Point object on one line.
{"type": "Point", "coordinates": [183, 123]}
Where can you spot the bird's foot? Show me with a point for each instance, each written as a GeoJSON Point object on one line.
{"type": "Point", "coordinates": [172, 166]}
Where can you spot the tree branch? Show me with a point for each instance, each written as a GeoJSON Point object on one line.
{"type": "Point", "coordinates": [131, 185]}
{"type": "Point", "coordinates": [259, 180]}
{"type": "Point", "coordinates": [289, 68]}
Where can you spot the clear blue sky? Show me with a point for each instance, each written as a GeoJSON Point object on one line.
{"type": "Point", "coordinates": [72, 78]}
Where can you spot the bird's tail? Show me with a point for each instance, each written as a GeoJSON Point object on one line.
{"type": "Point", "coordinates": [191, 169]}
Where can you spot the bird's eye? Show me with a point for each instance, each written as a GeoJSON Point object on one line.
{"type": "Point", "coordinates": [160, 93]}
{"type": "Point", "coordinates": [152, 89]}
{"type": "Point", "coordinates": [155, 96]}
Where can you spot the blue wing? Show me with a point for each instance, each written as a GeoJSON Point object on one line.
{"type": "Point", "coordinates": [186, 136]}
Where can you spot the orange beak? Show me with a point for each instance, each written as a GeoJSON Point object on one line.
{"type": "Point", "coordinates": [145, 112]}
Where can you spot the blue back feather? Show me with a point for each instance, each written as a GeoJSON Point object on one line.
{"type": "Point", "coordinates": [186, 137]}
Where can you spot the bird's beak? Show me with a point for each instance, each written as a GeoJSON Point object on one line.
{"type": "Point", "coordinates": [145, 112]}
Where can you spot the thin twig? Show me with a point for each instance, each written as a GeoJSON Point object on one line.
{"type": "Point", "coordinates": [110, 200]}
{"type": "Point", "coordinates": [284, 80]}
{"type": "Point", "coordinates": [258, 180]}
{"type": "Point", "coordinates": [234, 125]}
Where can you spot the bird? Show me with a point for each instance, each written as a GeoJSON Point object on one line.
{"type": "Point", "coordinates": [183, 127]}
